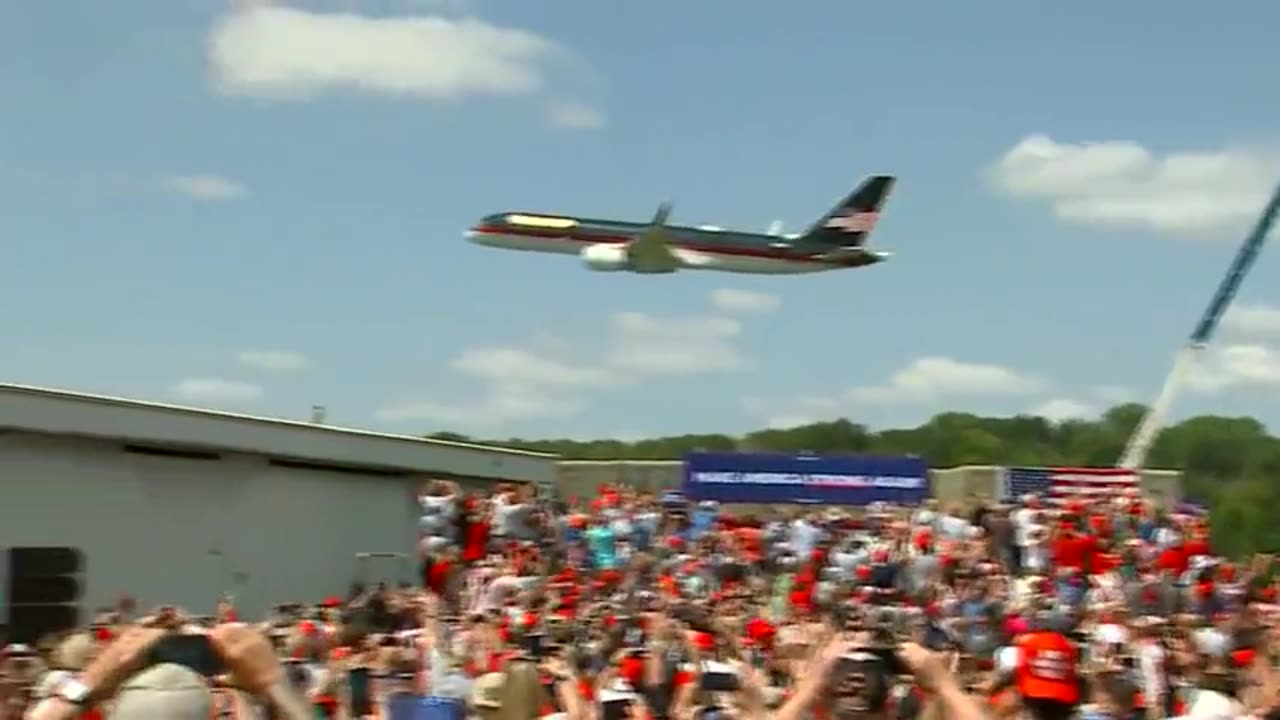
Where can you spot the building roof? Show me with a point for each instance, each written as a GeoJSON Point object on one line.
{"type": "Point", "coordinates": [63, 412]}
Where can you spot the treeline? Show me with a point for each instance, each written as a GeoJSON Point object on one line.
{"type": "Point", "coordinates": [1232, 464]}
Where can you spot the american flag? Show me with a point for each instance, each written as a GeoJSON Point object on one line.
{"type": "Point", "coordinates": [1064, 483]}
{"type": "Point", "coordinates": [854, 222]}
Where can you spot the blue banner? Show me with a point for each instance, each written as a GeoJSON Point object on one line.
{"type": "Point", "coordinates": [814, 479]}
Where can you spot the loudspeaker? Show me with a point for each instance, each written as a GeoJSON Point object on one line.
{"type": "Point", "coordinates": [44, 591]}
{"type": "Point", "coordinates": [45, 561]}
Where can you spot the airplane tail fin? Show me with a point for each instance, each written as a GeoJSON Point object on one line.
{"type": "Point", "coordinates": [850, 223]}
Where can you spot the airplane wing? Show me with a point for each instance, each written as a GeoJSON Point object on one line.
{"type": "Point", "coordinates": [650, 251]}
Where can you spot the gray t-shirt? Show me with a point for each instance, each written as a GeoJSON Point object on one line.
{"type": "Point", "coordinates": [513, 521]}
{"type": "Point", "coordinates": [438, 515]}
{"type": "Point", "coordinates": [920, 572]}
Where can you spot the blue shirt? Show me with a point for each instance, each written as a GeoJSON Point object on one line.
{"type": "Point", "coordinates": [701, 521]}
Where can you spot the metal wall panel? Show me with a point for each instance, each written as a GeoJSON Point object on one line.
{"type": "Point", "coordinates": [182, 531]}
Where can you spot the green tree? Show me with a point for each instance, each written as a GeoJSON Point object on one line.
{"type": "Point", "coordinates": [1232, 463]}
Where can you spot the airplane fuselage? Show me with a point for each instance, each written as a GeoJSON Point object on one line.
{"type": "Point", "coordinates": [602, 245]}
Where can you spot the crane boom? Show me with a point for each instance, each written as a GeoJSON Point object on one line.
{"type": "Point", "coordinates": [1135, 451]}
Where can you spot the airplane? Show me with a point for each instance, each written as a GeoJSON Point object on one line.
{"type": "Point", "coordinates": [836, 241]}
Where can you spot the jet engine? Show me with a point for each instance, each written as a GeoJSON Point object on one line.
{"type": "Point", "coordinates": [605, 257]}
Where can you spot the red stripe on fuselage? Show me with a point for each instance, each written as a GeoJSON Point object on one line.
{"type": "Point", "coordinates": [606, 238]}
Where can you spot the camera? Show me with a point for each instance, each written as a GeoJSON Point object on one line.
{"type": "Point", "coordinates": [862, 683]}
{"type": "Point", "coordinates": [194, 652]}
{"type": "Point", "coordinates": [536, 645]}
{"type": "Point", "coordinates": [719, 677]}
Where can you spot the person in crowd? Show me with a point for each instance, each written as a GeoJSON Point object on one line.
{"type": "Point", "coordinates": [440, 501]}
{"type": "Point", "coordinates": [162, 668]}
{"type": "Point", "coordinates": [620, 607]}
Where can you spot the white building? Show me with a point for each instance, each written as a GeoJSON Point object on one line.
{"type": "Point", "coordinates": [176, 505]}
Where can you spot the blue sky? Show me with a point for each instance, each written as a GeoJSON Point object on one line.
{"type": "Point", "coordinates": [261, 208]}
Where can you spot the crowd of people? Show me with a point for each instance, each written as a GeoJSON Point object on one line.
{"type": "Point", "coordinates": [630, 606]}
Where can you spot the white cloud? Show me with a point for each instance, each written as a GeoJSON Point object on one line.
{"type": "Point", "coordinates": [646, 345]}
{"type": "Point", "coordinates": [1252, 320]}
{"type": "Point", "coordinates": [573, 115]}
{"type": "Point", "coordinates": [732, 301]}
{"type": "Point", "coordinates": [549, 378]}
{"type": "Point", "coordinates": [515, 384]}
{"type": "Point", "coordinates": [795, 411]}
{"type": "Point", "coordinates": [275, 361]}
{"type": "Point", "coordinates": [290, 54]}
{"type": "Point", "coordinates": [1060, 409]}
{"type": "Point", "coordinates": [527, 368]}
{"type": "Point", "coordinates": [1235, 366]}
{"type": "Point", "coordinates": [936, 381]}
{"type": "Point", "coordinates": [216, 391]}
{"type": "Point", "coordinates": [929, 379]}
{"type": "Point", "coordinates": [206, 187]}
{"type": "Point", "coordinates": [786, 422]}
{"type": "Point", "coordinates": [498, 405]}
{"type": "Point", "coordinates": [1123, 184]}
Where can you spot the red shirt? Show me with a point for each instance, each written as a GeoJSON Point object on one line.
{"type": "Point", "coordinates": [752, 542]}
{"type": "Point", "coordinates": [1173, 559]}
{"type": "Point", "coordinates": [1070, 550]}
{"type": "Point", "coordinates": [1195, 547]}
{"type": "Point", "coordinates": [1104, 563]}
{"type": "Point", "coordinates": [1100, 525]}
{"type": "Point", "coordinates": [438, 575]}
{"type": "Point", "coordinates": [497, 660]}
{"type": "Point", "coordinates": [475, 541]}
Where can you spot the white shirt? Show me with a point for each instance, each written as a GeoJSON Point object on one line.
{"type": "Point", "coordinates": [500, 507]}
{"type": "Point", "coordinates": [1107, 635]}
{"type": "Point", "coordinates": [621, 525]}
{"type": "Point", "coordinates": [1151, 666]}
{"type": "Point", "coordinates": [1210, 705]}
{"type": "Point", "coordinates": [1210, 641]}
{"type": "Point", "coordinates": [953, 528]}
{"type": "Point", "coordinates": [924, 517]}
{"type": "Point", "coordinates": [1023, 520]}
{"type": "Point", "coordinates": [448, 681]}
{"type": "Point", "coordinates": [497, 591]}
{"type": "Point", "coordinates": [1167, 537]}
{"type": "Point", "coordinates": [803, 537]}
{"type": "Point", "coordinates": [1036, 555]}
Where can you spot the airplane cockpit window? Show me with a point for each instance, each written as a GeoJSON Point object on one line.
{"type": "Point", "coordinates": [541, 221]}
